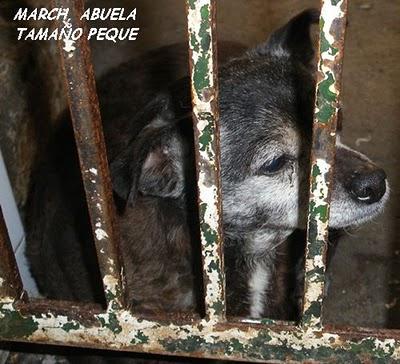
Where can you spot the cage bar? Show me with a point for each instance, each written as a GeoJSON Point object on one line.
{"type": "Point", "coordinates": [331, 48]}
{"type": "Point", "coordinates": [86, 120]}
{"type": "Point", "coordinates": [10, 280]}
{"type": "Point", "coordinates": [201, 15]}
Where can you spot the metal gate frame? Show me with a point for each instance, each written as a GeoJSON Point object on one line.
{"type": "Point", "coordinates": [116, 328]}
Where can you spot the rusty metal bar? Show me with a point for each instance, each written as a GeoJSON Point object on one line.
{"type": "Point", "coordinates": [10, 280]}
{"type": "Point", "coordinates": [201, 17]}
{"type": "Point", "coordinates": [86, 119]}
{"type": "Point", "coordinates": [120, 330]}
{"type": "Point", "coordinates": [331, 48]}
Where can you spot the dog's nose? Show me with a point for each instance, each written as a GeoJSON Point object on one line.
{"type": "Point", "coordinates": [368, 186]}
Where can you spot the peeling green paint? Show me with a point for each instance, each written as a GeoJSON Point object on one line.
{"type": "Point", "coordinates": [13, 325]}
{"type": "Point", "coordinates": [206, 137]}
{"type": "Point", "coordinates": [209, 234]}
{"type": "Point", "coordinates": [315, 171]}
{"type": "Point", "coordinates": [332, 27]}
{"type": "Point", "coordinates": [218, 307]}
{"type": "Point", "coordinates": [70, 326]}
{"type": "Point", "coordinates": [140, 338]}
{"type": "Point", "coordinates": [266, 321]}
{"type": "Point", "coordinates": [326, 99]}
{"type": "Point", "coordinates": [111, 322]}
{"type": "Point", "coordinates": [325, 46]}
{"type": "Point", "coordinates": [204, 90]}
{"type": "Point", "coordinates": [109, 295]}
{"type": "Point", "coordinates": [369, 345]}
{"type": "Point", "coordinates": [316, 275]}
{"type": "Point", "coordinates": [193, 42]}
{"type": "Point", "coordinates": [188, 345]}
{"type": "Point", "coordinates": [201, 79]}
{"type": "Point", "coordinates": [313, 311]}
{"type": "Point", "coordinates": [213, 266]}
{"type": "Point", "coordinates": [192, 4]}
{"type": "Point", "coordinates": [235, 345]}
{"type": "Point", "coordinates": [201, 75]}
{"type": "Point", "coordinates": [205, 27]}
{"type": "Point", "coordinates": [319, 212]}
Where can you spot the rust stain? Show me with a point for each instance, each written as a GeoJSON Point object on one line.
{"type": "Point", "coordinates": [86, 120]}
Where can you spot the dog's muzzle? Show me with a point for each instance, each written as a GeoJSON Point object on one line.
{"type": "Point", "coordinates": [368, 185]}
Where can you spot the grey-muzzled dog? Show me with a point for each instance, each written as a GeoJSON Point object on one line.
{"type": "Point", "coordinates": [266, 110]}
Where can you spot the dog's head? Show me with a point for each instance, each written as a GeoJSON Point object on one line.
{"type": "Point", "coordinates": [266, 106]}
{"type": "Point", "coordinates": [266, 112]}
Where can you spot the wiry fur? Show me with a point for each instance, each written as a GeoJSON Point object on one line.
{"type": "Point", "coordinates": [266, 108]}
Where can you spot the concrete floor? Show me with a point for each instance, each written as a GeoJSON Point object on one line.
{"type": "Point", "coordinates": [364, 282]}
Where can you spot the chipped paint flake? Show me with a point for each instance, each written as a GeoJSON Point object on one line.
{"type": "Point", "coordinates": [69, 47]}
{"type": "Point", "coordinates": [93, 171]}
{"type": "Point", "coordinates": [101, 234]}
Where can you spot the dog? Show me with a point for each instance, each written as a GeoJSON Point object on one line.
{"type": "Point", "coordinates": [266, 107]}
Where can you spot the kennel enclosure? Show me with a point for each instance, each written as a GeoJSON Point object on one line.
{"type": "Point", "coordinates": [73, 324]}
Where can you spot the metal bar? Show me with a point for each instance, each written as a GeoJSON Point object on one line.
{"type": "Point", "coordinates": [201, 15]}
{"type": "Point", "coordinates": [86, 119]}
{"type": "Point", "coordinates": [120, 330]}
{"type": "Point", "coordinates": [10, 280]}
{"type": "Point", "coordinates": [331, 47]}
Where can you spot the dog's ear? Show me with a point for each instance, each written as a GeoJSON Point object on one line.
{"type": "Point", "coordinates": [292, 40]}
{"type": "Point", "coordinates": [150, 164]}
{"type": "Point", "coordinates": [160, 169]}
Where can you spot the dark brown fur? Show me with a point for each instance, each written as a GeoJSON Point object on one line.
{"type": "Point", "coordinates": [154, 230]}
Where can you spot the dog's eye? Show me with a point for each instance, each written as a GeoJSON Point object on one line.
{"type": "Point", "coordinates": [274, 166]}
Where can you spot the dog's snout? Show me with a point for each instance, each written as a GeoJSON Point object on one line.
{"type": "Point", "coordinates": [368, 186]}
